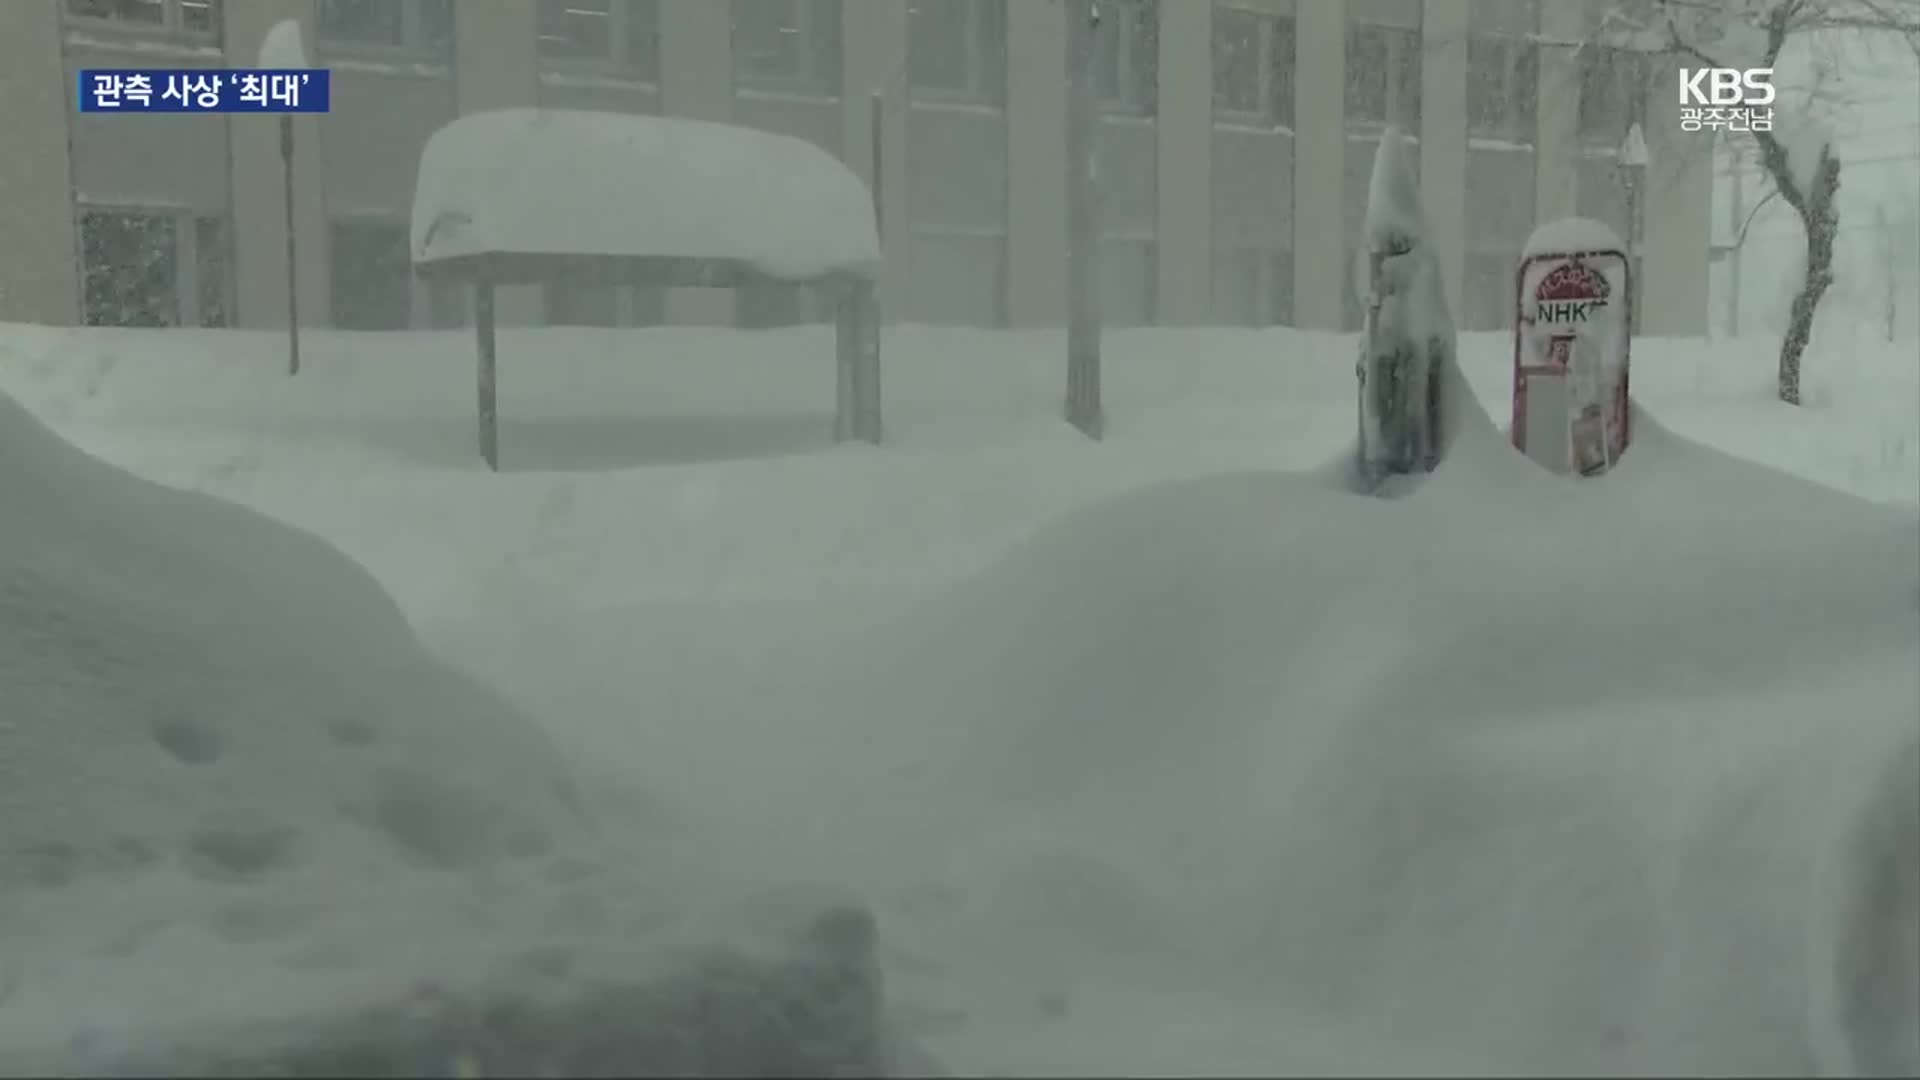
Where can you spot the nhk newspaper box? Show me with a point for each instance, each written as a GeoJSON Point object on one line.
{"type": "Point", "coordinates": [1573, 313]}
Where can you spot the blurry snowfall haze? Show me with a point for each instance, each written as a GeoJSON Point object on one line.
{"type": "Point", "coordinates": [697, 738]}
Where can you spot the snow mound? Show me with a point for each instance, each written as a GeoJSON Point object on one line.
{"type": "Point", "coordinates": [555, 181]}
{"type": "Point", "coordinates": [224, 758]}
{"type": "Point", "coordinates": [1510, 774]}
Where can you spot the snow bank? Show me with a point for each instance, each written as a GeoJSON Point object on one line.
{"type": "Point", "coordinates": [1244, 716]}
{"type": "Point", "coordinates": [1508, 775]}
{"type": "Point", "coordinates": [596, 183]}
{"type": "Point", "coordinates": [225, 759]}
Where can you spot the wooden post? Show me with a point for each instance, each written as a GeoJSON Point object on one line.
{"type": "Point", "coordinates": [489, 414]}
{"type": "Point", "coordinates": [1083, 225]}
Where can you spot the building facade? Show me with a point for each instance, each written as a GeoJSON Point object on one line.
{"type": "Point", "coordinates": [1234, 146]}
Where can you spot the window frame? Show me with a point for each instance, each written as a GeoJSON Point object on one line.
{"type": "Point", "coordinates": [1403, 95]}
{"type": "Point", "coordinates": [619, 61]}
{"type": "Point", "coordinates": [1267, 57]}
{"type": "Point", "coordinates": [173, 215]}
{"type": "Point", "coordinates": [806, 79]}
{"type": "Point", "coordinates": [413, 47]}
{"type": "Point", "coordinates": [986, 84]}
{"type": "Point", "coordinates": [172, 25]}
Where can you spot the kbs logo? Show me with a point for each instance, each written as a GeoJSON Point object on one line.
{"type": "Point", "coordinates": [1726, 86]}
{"type": "Point", "coordinates": [1726, 99]}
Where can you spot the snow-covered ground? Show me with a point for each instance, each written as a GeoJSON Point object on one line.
{"type": "Point", "coordinates": [1161, 755]}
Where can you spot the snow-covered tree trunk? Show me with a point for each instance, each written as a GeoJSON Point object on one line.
{"type": "Point", "coordinates": [1797, 154]}
{"type": "Point", "coordinates": [1821, 221]}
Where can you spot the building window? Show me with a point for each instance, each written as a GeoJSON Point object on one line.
{"type": "Point", "coordinates": [1383, 76]}
{"type": "Point", "coordinates": [1252, 287]}
{"type": "Point", "coordinates": [958, 277]}
{"type": "Point", "coordinates": [1126, 56]}
{"type": "Point", "coordinates": [192, 18]}
{"type": "Point", "coordinates": [622, 33]}
{"type": "Point", "coordinates": [210, 262]}
{"type": "Point", "coordinates": [129, 267]}
{"type": "Point", "coordinates": [787, 45]}
{"type": "Point", "coordinates": [413, 26]}
{"type": "Point", "coordinates": [372, 277]}
{"type": "Point", "coordinates": [958, 49]}
{"type": "Point", "coordinates": [1253, 67]}
{"type": "Point", "coordinates": [1502, 87]}
{"type": "Point", "coordinates": [1611, 82]}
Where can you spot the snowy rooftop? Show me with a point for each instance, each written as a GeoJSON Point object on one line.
{"type": "Point", "coordinates": [573, 183]}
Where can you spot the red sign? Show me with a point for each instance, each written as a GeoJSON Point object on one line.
{"type": "Point", "coordinates": [1570, 294]}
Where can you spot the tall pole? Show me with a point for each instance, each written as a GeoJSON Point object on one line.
{"type": "Point", "coordinates": [1888, 266]}
{"type": "Point", "coordinates": [1083, 224]}
{"type": "Point", "coordinates": [293, 291]}
{"type": "Point", "coordinates": [1737, 213]}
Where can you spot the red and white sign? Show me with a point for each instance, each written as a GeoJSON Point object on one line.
{"type": "Point", "coordinates": [1570, 351]}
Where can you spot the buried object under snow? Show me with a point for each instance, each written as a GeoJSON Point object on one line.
{"type": "Point", "coordinates": [1408, 339]}
{"type": "Point", "coordinates": [227, 762]}
{"type": "Point", "coordinates": [1573, 307]}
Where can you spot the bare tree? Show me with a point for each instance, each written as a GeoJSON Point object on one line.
{"type": "Point", "coordinates": [1801, 166]}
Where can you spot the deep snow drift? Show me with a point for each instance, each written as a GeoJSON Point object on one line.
{"type": "Point", "coordinates": [246, 822]}
{"type": "Point", "coordinates": [1169, 765]}
{"type": "Point", "coordinates": [1515, 774]}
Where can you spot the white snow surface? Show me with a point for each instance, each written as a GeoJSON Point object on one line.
{"type": "Point", "coordinates": [1155, 756]}
{"type": "Point", "coordinates": [283, 47]}
{"type": "Point", "coordinates": [560, 181]}
{"type": "Point", "coordinates": [226, 763]}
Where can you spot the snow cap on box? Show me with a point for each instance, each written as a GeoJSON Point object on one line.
{"type": "Point", "coordinates": [555, 181]}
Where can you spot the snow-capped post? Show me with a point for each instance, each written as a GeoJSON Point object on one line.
{"type": "Point", "coordinates": [281, 49]}
{"type": "Point", "coordinates": [1572, 329]}
{"type": "Point", "coordinates": [1083, 224]}
{"type": "Point", "coordinates": [1408, 338]}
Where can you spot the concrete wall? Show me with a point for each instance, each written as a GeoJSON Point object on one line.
{"type": "Point", "coordinates": [39, 278]}
{"type": "Point", "coordinates": [1444, 176]}
{"type": "Point", "coordinates": [696, 80]}
{"type": "Point", "coordinates": [1037, 163]}
{"type": "Point", "coordinates": [1320, 241]}
{"type": "Point", "coordinates": [1183, 172]}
